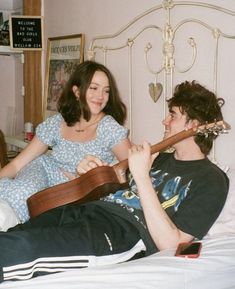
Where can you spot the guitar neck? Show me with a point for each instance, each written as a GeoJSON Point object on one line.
{"type": "Point", "coordinates": [164, 144]}
{"type": "Point", "coordinates": [122, 166]}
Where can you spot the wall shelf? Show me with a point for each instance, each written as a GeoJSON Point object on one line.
{"type": "Point", "coordinates": [6, 50]}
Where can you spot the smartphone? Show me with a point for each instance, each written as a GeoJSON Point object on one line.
{"type": "Point", "coordinates": [189, 250]}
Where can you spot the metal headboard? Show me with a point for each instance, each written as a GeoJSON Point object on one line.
{"type": "Point", "coordinates": [168, 66]}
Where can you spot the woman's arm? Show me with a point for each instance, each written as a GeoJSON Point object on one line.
{"type": "Point", "coordinates": [162, 230]}
{"type": "Point", "coordinates": [34, 149]}
{"type": "Point", "coordinates": [120, 150]}
{"type": "Point", "coordinates": [90, 162]}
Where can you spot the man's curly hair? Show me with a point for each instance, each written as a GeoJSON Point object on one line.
{"type": "Point", "coordinates": [198, 103]}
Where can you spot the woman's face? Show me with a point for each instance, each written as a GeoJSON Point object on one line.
{"type": "Point", "coordinates": [97, 94]}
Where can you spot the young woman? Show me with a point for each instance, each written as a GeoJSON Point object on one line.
{"type": "Point", "coordinates": [89, 126]}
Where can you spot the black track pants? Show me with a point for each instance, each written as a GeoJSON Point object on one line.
{"type": "Point", "coordinates": [67, 238]}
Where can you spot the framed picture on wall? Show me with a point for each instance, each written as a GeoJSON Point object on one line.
{"type": "Point", "coordinates": [63, 55]}
{"type": "Point", "coordinates": [26, 32]}
{"type": "Point", "coordinates": [4, 30]}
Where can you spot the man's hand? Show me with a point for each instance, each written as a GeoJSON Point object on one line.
{"type": "Point", "coordinates": [140, 160]}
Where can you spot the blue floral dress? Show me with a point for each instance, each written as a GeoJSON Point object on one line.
{"type": "Point", "coordinates": [46, 170]}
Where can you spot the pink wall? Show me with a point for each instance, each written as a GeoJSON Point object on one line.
{"type": "Point", "coordinates": [11, 100]}
{"type": "Point", "coordinates": [11, 81]}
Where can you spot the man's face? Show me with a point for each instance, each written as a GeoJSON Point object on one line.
{"type": "Point", "coordinates": [175, 122]}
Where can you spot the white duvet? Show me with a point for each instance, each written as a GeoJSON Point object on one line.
{"type": "Point", "coordinates": [214, 269]}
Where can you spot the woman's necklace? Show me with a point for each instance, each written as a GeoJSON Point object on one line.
{"type": "Point", "coordinates": [85, 128]}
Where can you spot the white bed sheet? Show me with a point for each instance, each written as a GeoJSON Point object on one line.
{"type": "Point", "coordinates": [214, 269]}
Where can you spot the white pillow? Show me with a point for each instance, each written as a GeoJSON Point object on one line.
{"type": "Point", "coordinates": [226, 220]}
{"type": "Point", "coordinates": [8, 217]}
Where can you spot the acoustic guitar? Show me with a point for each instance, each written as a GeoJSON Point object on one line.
{"type": "Point", "coordinates": [103, 180]}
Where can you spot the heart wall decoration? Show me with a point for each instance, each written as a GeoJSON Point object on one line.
{"type": "Point", "coordinates": [155, 90]}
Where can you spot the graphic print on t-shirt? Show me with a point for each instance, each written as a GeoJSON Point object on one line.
{"type": "Point", "coordinates": [171, 190]}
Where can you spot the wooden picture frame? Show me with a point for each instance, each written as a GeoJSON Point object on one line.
{"type": "Point", "coordinates": [4, 30]}
{"type": "Point", "coordinates": [64, 53]}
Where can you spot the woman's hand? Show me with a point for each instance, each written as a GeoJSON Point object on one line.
{"type": "Point", "coordinates": [88, 163]}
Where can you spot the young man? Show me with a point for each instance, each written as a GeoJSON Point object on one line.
{"type": "Point", "coordinates": [174, 198]}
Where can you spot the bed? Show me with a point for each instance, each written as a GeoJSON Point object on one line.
{"type": "Point", "coordinates": [215, 268]}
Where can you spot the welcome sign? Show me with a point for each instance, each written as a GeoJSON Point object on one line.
{"type": "Point", "coordinates": [26, 32]}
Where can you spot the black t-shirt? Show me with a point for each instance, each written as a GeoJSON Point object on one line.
{"type": "Point", "coordinates": [192, 193]}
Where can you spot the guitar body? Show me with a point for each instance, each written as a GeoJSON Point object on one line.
{"type": "Point", "coordinates": [93, 185]}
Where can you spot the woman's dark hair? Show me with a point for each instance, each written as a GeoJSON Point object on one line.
{"type": "Point", "coordinates": [72, 108]}
{"type": "Point", "coordinates": [198, 103]}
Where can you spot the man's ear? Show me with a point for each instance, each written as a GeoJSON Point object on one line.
{"type": "Point", "coordinates": [195, 123]}
{"type": "Point", "coordinates": [76, 91]}
{"type": "Point", "coordinates": [192, 123]}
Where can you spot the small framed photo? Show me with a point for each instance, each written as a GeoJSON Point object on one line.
{"type": "Point", "coordinates": [4, 29]}
{"type": "Point", "coordinates": [63, 55]}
